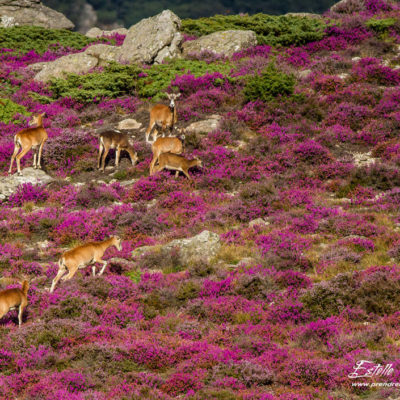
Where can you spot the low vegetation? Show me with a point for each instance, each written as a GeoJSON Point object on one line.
{"type": "Point", "coordinates": [40, 40]}
{"type": "Point", "coordinates": [271, 30]}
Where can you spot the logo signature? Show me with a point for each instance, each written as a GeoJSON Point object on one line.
{"type": "Point", "coordinates": [368, 369]}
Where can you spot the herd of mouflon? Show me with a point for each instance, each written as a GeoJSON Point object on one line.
{"type": "Point", "coordinates": [166, 152]}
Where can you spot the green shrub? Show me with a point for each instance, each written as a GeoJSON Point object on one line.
{"type": "Point", "coordinates": [135, 275]}
{"type": "Point", "coordinates": [272, 30]}
{"type": "Point", "coordinates": [120, 175]}
{"type": "Point", "coordinates": [116, 80]}
{"type": "Point", "coordinates": [271, 83]}
{"type": "Point", "coordinates": [27, 38]}
{"type": "Point", "coordinates": [381, 25]}
{"type": "Point", "coordinates": [9, 109]}
{"type": "Point", "coordinates": [188, 290]}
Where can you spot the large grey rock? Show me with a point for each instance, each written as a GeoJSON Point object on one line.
{"type": "Point", "coordinates": [203, 246]}
{"type": "Point", "coordinates": [348, 6]}
{"type": "Point", "coordinates": [224, 42]}
{"type": "Point", "coordinates": [31, 12]}
{"type": "Point", "coordinates": [97, 32]}
{"type": "Point", "coordinates": [10, 183]}
{"type": "Point", "coordinates": [304, 74]}
{"type": "Point", "coordinates": [304, 15]}
{"type": "Point", "coordinates": [258, 222]}
{"type": "Point", "coordinates": [79, 63]}
{"type": "Point", "coordinates": [153, 39]}
{"type": "Point", "coordinates": [205, 126]}
{"type": "Point", "coordinates": [129, 124]}
{"type": "Point", "coordinates": [103, 52]}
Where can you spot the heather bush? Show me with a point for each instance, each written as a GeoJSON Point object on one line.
{"type": "Point", "coordinates": [61, 150]}
{"type": "Point", "coordinates": [349, 115]}
{"type": "Point", "coordinates": [28, 192]}
{"type": "Point", "coordinates": [255, 286]}
{"type": "Point", "coordinates": [370, 70]}
{"type": "Point", "coordinates": [317, 333]}
{"type": "Point", "coordinates": [270, 30]}
{"type": "Point", "coordinates": [376, 292]}
{"type": "Point", "coordinates": [339, 254]}
{"type": "Point", "coordinates": [394, 252]}
{"type": "Point", "coordinates": [271, 83]}
{"type": "Point", "coordinates": [200, 269]}
{"type": "Point", "coordinates": [250, 373]}
{"type": "Point", "coordinates": [376, 6]}
{"type": "Point", "coordinates": [312, 152]}
{"type": "Point", "coordinates": [379, 292]}
{"type": "Point", "coordinates": [167, 260]}
{"type": "Point", "coordinates": [378, 175]}
{"type": "Point", "coordinates": [283, 251]}
{"type": "Point", "coordinates": [329, 298]}
{"type": "Point", "coordinates": [91, 196]}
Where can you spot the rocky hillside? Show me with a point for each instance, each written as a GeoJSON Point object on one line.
{"type": "Point", "coordinates": [272, 274]}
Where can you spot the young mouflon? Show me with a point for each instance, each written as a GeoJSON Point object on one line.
{"type": "Point", "coordinates": [177, 163]}
{"type": "Point", "coordinates": [165, 145]}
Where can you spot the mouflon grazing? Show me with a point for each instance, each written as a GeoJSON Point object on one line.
{"type": "Point", "coordinates": [114, 139]}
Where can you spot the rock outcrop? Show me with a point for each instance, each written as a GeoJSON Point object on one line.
{"type": "Point", "coordinates": [153, 39]}
{"type": "Point", "coordinates": [304, 15]}
{"type": "Point", "coordinates": [97, 32]}
{"type": "Point", "coordinates": [103, 52]}
{"type": "Point", "coordinates": [348, 7]}
{"type": "Point", "coordinates": [205, 126]}
{"type": "Point", "coordinates": [31, 12]}
{"type": "Point", "coordinates": [129, 124]}
{"type": "Point", "coordinates": [203, 246]}
{"type": "Point", "coordinates": [97, 55]}
{"type": "Point", "coordinates": [10, 183]}
{"type": "Point", "coordinates": [78, 63]}
{"type": "Point", "coordinates": [224, 42]}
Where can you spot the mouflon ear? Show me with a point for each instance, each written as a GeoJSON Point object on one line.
{"type": "Point", "coordinates": [177, 95]}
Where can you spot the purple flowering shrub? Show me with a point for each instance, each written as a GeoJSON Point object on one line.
{"type": "Point", "coordinates": [28, 192]}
